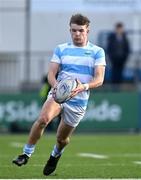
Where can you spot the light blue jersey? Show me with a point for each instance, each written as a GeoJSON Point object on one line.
{"type": "Point", "coordinates": [78, 62]}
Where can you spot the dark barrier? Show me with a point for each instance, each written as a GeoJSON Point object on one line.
{"type": "Point", "coordinates": [18, 111]}
{"type": "Point", "coordinates": [106, 112]}
{"type": "Point", "coordinates": [111, 111]}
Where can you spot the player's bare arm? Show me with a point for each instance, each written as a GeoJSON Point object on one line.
{"type": "Point", "coordinates": [96, 82]}
{"type": "Point", "coordinates": [53, 70]}
{"type": "Point", "coordinates": [98, 77]}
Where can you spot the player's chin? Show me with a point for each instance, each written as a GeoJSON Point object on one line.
{"type": "Point", "coordinates": [78, 43]}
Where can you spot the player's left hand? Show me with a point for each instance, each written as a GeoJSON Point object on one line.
{"type": "Point", "coordinates": [80, 87]}
{"type": "Point", "coordinates": [54, 89]}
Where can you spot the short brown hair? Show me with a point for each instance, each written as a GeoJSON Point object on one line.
{"type": "Point", "coordinates": [79, 19]}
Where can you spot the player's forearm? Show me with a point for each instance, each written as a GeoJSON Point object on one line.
{"type": "Point", "coordinates": [98, 78]}
{"type": "Point", "coordinates": [52, 79]}
{"type": "Point", "coordinates": [53, 69]}
{"type": "Point", "coordinates": [91, 85]}
{"type": "Point", "coordinates": [96, 83]}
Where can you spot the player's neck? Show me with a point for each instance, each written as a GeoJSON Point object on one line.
{"type": "Point", "coordinates": [81, 45]}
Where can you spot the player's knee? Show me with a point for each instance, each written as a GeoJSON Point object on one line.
{"type": "Point", "coordinates": [43, 121]}
{"type": "Point", "coordinates": [62, 141]}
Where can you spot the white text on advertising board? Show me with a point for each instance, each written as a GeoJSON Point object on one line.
{"type": "Point", "coordinates": [105, 111]}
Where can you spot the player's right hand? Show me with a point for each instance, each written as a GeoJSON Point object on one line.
{"type": "Point", "coordinates": [78, 89]}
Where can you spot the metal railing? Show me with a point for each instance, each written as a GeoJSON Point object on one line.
{"type": "Point", "coordinates": [13, 69]}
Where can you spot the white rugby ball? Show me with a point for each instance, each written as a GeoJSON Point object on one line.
{"type": "Point", "coordinates": [63, 90]}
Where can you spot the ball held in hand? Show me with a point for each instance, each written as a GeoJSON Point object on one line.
{"type": "Point", "coordinates": [62, 91]}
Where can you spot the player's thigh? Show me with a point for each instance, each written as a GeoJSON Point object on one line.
{"type": "Point", "coordinates": [50, 109]}
{"type": "Point", "coordinates": [64, 131]}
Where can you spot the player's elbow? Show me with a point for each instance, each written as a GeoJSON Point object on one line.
{"type": "Point", "coordinates": [100, 82]}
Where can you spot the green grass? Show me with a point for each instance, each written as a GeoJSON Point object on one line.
{"type": "Point", "coordinates": [122, 152]}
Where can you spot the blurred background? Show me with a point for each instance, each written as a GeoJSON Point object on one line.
{"type": "Point", "coordinates": [29, 32]}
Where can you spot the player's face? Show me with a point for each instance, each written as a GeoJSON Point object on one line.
{"type": "Point", "coordinates": [79, 34]}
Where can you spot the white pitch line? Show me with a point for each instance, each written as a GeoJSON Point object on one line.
{"type": "Point", "coordinates": [91, 155]}
{"type": "Point", "coordinates": [78, 166]}
{"type": "Point", "coordinates": [126, 155]}
{"type": "Point", "coordinates": [137, 162]}
{"type": "Point", "coordinates": [17, 144]}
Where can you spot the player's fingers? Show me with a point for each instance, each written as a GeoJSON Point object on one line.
{"type": "Point", "coordinates": [78, 89]}
{"type": "Point", "coordinates": [78, 82]}
{"type": "Point", "coordinates": [72, 95]}
{"type": "Point", "coordinates": [54, 92]}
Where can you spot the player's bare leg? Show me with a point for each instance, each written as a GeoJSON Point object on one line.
{"type": "Point", "coordinates": [63, 134]}
{"type": "Point", "coordinates": [49, 110]}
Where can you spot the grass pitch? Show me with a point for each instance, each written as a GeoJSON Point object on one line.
{"type": "Point", "coordinates": [87, 156]}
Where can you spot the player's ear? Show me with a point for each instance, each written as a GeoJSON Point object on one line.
{"type": "Point", "coordinates": [88, 29]}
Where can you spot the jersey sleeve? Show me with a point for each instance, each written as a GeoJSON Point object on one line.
{"type": "Point", "coordinates": [56, 56]}
{"type": "Point", "coordinates": [100, 57]}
